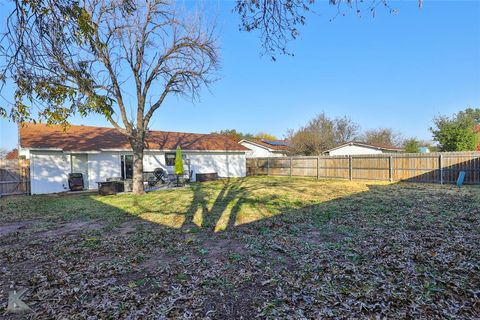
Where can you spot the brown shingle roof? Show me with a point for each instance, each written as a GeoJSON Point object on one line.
{"type": "Point", "coordinates": [12, 155]}
{"type": "Point", "coordinates": [87, 138]}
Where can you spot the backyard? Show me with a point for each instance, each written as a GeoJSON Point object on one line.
{"type": "Point", "coordinates": [267, 247]}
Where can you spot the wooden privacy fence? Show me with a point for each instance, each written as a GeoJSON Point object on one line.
{"type": "Point", "coordinates": [14, 177]}
{"type": "Point", "coordinates": [442, 167]}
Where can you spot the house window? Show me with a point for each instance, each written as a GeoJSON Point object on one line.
{"type": "Point", "coordinates": [170, 159]}
{"type": "Point", "coordinates": [126, 166]}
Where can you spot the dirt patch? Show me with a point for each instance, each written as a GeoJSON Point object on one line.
{"type": "Point", "coordinates": [217, 249]}
{"type": "Point", "coordinates": [323, 236]}
{"type": "Point", "coordinates": [13, 227]}
{"type": "Point", "coordinates": [71, 227]}
{"type": "Point", "coordinates": [156, 261]}
{"type": "Point", "coordinates": [128, 227]}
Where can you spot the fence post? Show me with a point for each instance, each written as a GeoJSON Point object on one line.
{"type": "Point", "coordinates": [318, 167]}
{"type": "Point", "coordinates": [350, 171]}
{"type": "Point", "coordinates": [268, 166]}
{"type": "Point", "coordinates": [440, 166]}
{"type": "Point", "coordinates": [390, 168]}
{"type": "Point", "coordinates": [290, 166]}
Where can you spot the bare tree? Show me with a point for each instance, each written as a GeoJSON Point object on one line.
{"type": "Point", "coordinates": [69, 57]}
{"type": "Point", "coordinates": [345, 129]}
{"type": "Point", "coordinates": [383, 136]}
{"type": "Point", "coordinates": [322, 133]}
{"type": "Point", "coordinates": [279, 21]}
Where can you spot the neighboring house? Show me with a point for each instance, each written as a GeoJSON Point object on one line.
{"type": "Point", "coordinates": [12, 155]}
{"type": "Point", "coordinates": [424, 150]}
{"type": "Point", "coordinates": [358, 148]}
{"type": "Point", "coordinates": [265, 148]}
{"type": "Point", "coordinates": [101, 153]}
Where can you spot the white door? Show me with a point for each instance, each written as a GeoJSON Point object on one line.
{"type": "Point", "coordinates": [80, 165]}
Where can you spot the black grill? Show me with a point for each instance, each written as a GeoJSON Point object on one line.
{"type": "Point", "coordinates": [75, 181]}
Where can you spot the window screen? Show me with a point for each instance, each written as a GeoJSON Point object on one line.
{"type": "Point", "coordinates": [170, 159]}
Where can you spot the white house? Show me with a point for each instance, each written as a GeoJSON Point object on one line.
{"type": "Point", "coordinates": [101, 153]}
{"type": "Point", "coordinates": [265, 148]}
{"type": "Point", "coordinates": [359, 148]}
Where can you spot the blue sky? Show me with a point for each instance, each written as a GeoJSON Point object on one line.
{"type": "Point", "coordinates": [395, 71]}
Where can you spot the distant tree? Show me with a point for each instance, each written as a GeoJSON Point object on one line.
{"type": "Point", "coordinates": [457, 133]}
{"type": "Point", "coordinates": [470, 115]}
{"type": "Point", "coordinates": [412, 145]}
{"type": "Point", "coordinates": [382, 136]}
{"type": "Point", "coordinates": [234, 134]}
{"type": "Point", "coordinates": [345, 129]}
{"type": "Point", "coordinates": [322, 133]}
{"type": "Point", "coordinates": [266, 136]}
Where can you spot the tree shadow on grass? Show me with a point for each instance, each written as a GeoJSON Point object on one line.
{"type": "Point", "coordinates": [220, 205]}
{"type": "Point", "coordinates": [406, 226]}
{"type": "Point", "coordinates": [226, 204]}
{"type": "Point", "coordinates": [222, 212]}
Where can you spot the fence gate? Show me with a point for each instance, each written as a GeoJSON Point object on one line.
{"type": "Point", "coordinates": [14, 177]}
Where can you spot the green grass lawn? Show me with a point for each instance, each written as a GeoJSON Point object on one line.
{"type": "Point", "coordinates": [212, 205]}
{"type": "Point", "coordinates": [268, 247]}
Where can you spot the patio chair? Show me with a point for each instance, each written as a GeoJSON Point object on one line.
{"type": "Point", "coordinates": [160, 175]}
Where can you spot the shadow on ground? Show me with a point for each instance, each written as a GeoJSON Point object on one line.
{"type": "Point", "coordinates": [282, 248]}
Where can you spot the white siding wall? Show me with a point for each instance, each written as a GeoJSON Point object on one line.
{"type": "Point", "coordinates": [24, 152]}
{"type": "Point", "coordinates": [353, 150]}
{"type": "Point", "coordinates": [49, 172]}
{"type": "Point", "coordinates": [225, 164]}
{"type": "Point", "coordinates": [102, 166]}
{"type": "Point", "coordinates": [258, 152]}
{"type": "Point", "coordinates": [153, 160]}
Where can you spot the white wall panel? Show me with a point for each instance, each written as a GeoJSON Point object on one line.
{"type": "Point", "coordinates": [225, 164]}
{"type": "Point", "coordinates": [353, 150]}
{"type": "Point", "coordinates": [49, 172]}
{"type": "Point", "coordinates": [102, 166]}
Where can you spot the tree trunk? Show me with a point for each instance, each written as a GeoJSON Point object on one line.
{"type": "Point", "coordinates": [137, 147]}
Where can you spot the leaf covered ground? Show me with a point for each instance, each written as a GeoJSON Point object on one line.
{"type": "Point", "coordinates": [257, 247]}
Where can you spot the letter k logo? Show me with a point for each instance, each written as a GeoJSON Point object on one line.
{"type": "Point", "coordinates": [15, 304]}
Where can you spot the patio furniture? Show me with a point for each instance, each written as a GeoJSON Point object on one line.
{"type": "Point", "coordinates": [110, 187]}
{"type": "Point", "coordinates": [75, 181]}
{"type": "Point", "coordinates": [158, 176]}
{"type": "Point", "coordinates": [202, 177]}
{"type": "Point", "coordinates": [161, 175]}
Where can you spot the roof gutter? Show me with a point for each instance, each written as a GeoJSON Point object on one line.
{"type": "Point", "coordinates": [129, 150]}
